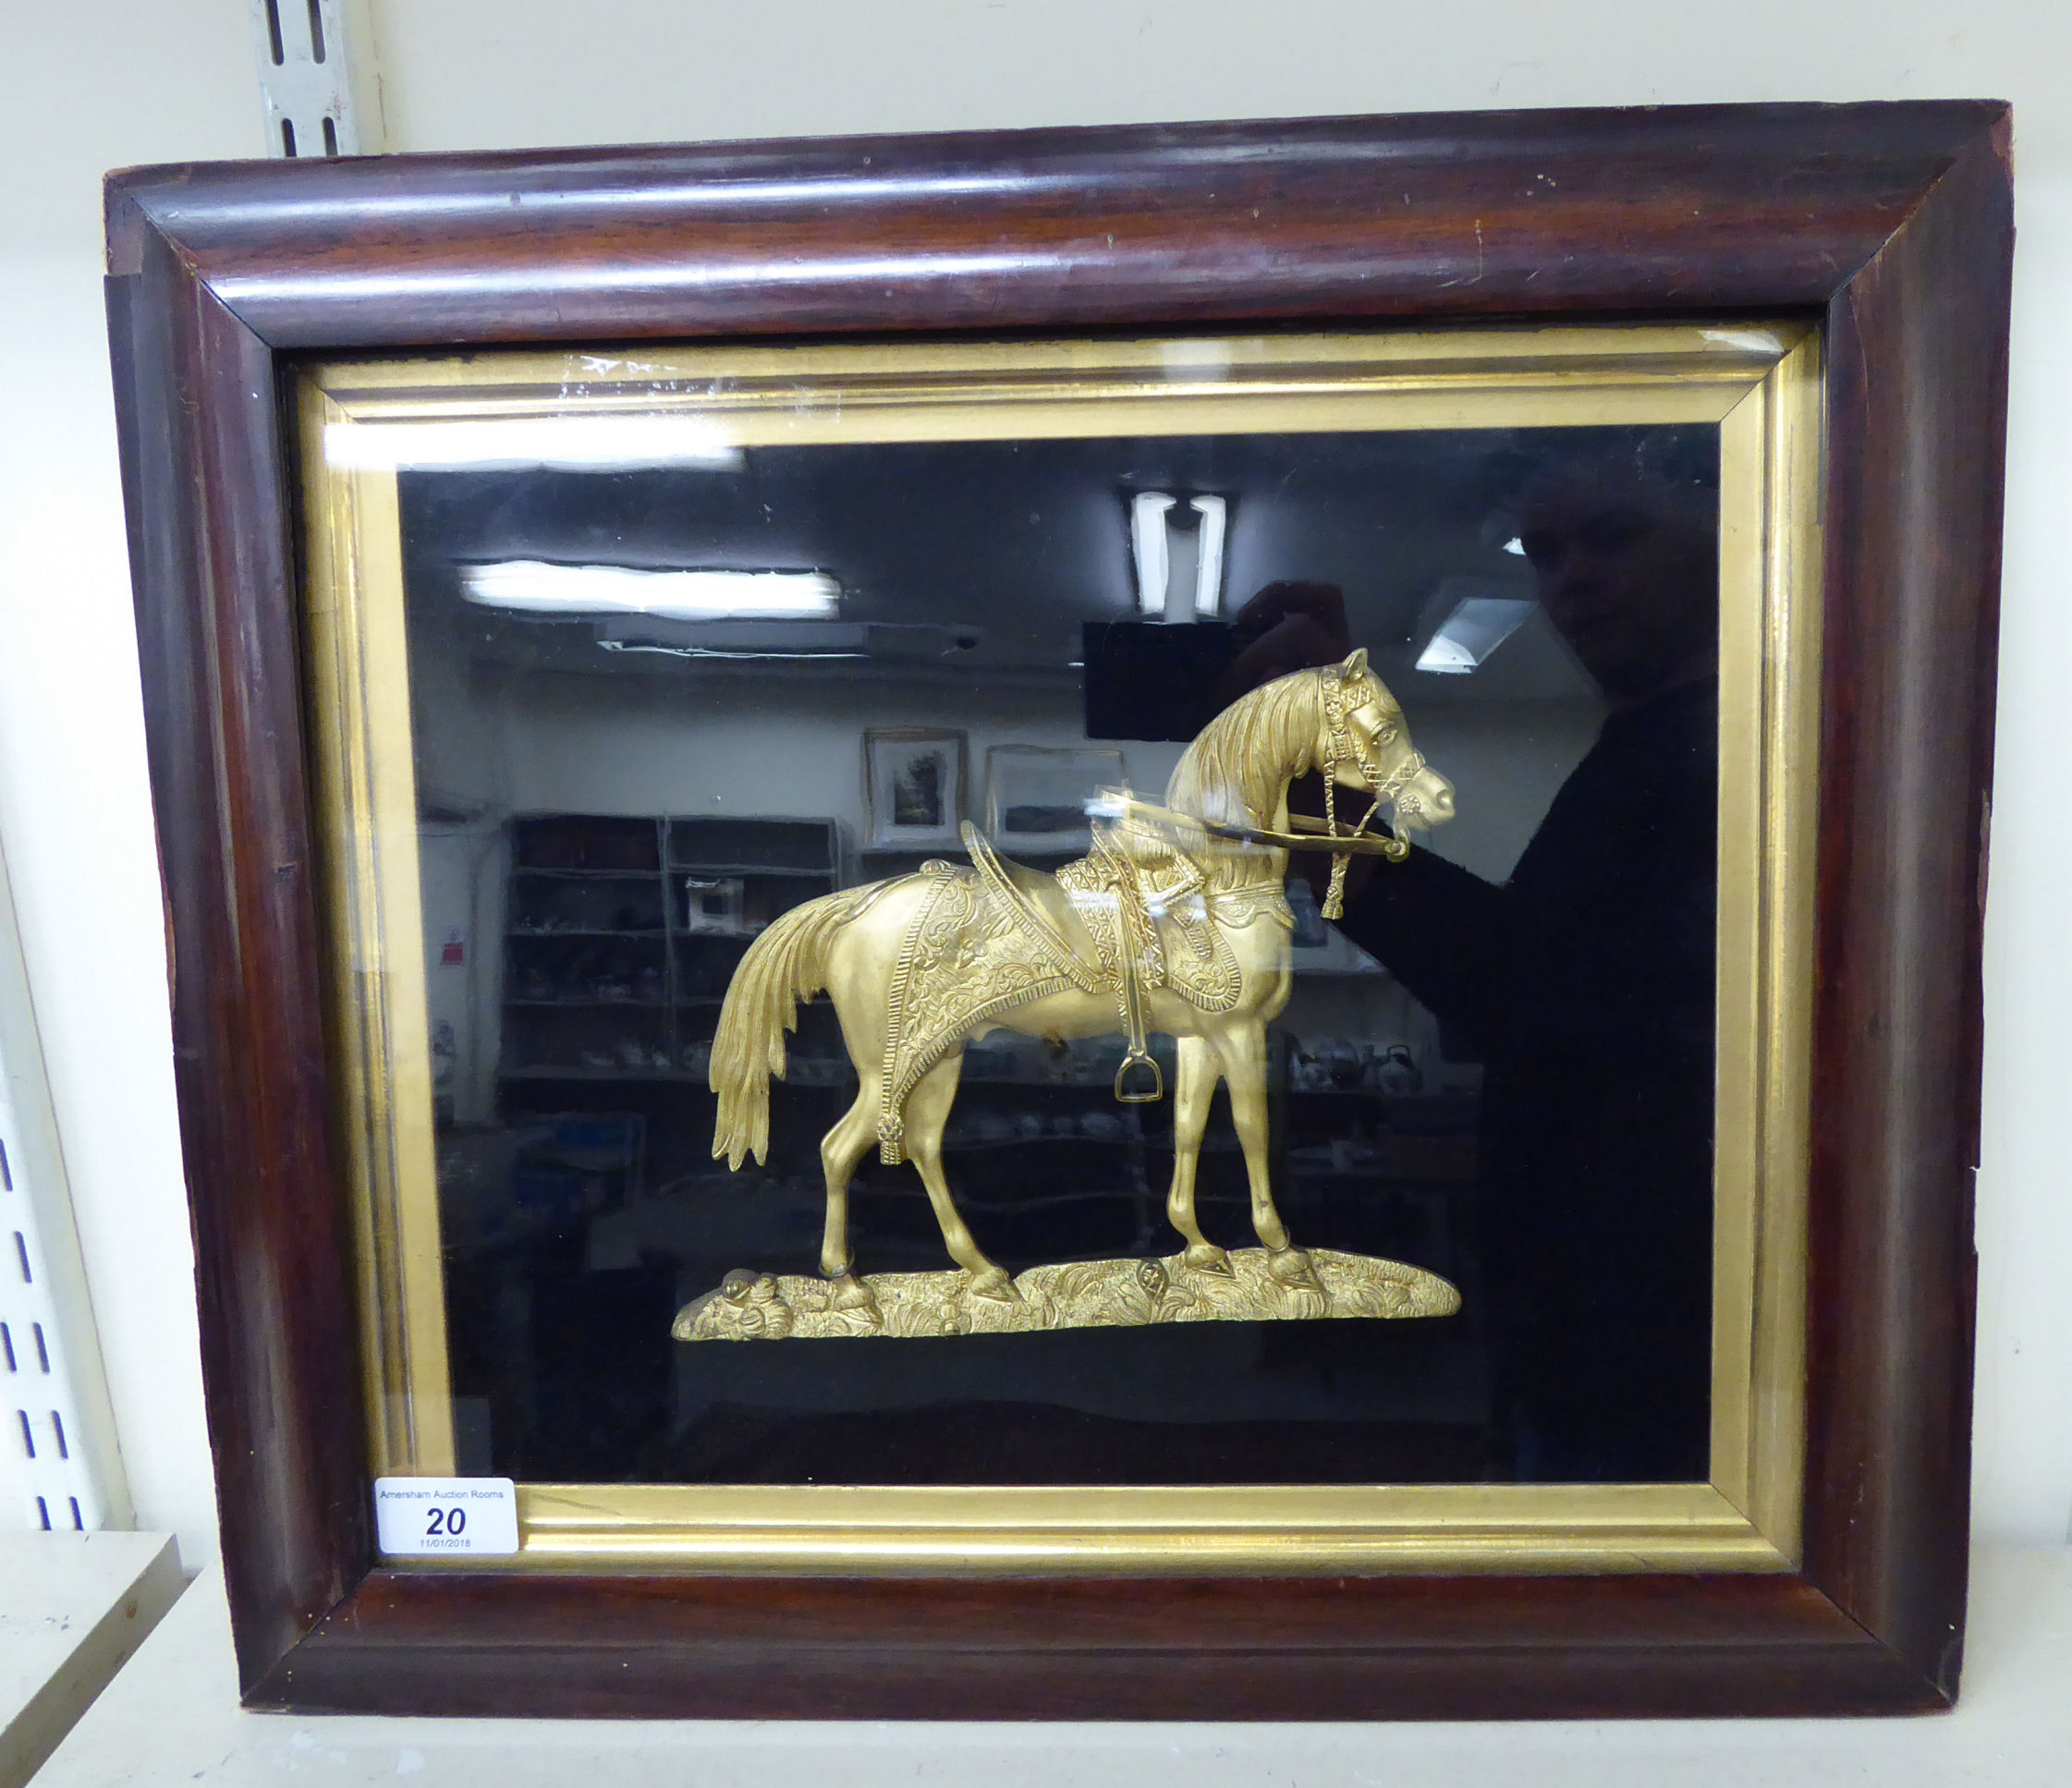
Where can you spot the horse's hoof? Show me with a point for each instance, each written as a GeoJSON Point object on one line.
{"type": "Point", "coordinates": [994, 1287]}
{"type": "Point", "coordinates": [847, 1291]}
{"type": "Point", "coordinates": [1206, 1257]}
{"type": "Point", "coordinates": [1291, 1267]}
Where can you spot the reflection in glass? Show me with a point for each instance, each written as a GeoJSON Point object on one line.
{"type": "Point", "coordinates": [1497, 1068]}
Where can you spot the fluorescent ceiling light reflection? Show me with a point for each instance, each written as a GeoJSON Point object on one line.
{"type": "Point", "coordinates": [785, 638]}
{"type": "Point", "coordinates": [721, 651]}
{"type": "Point", "coordinates": [1151, 523]}
{"type": "Point", "coordinates": [531, 587]}
{"type": "Point", "coordinates": [1475, 628]}
{"type": "Point", "coordinates": [522, 442]}
{"type": "Point", "coordinates": [1515, 544]}
{"type": "Point", "coordinates": [1208, 564]}
{"type": "Point", "coordinates": [1147, 539]}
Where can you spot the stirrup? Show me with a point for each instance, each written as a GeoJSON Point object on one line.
{"type": "Point", "coordinates": [1122, 1076]}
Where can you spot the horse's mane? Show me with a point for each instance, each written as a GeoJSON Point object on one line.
{"type": "Point", "coordinates": [1241, 760]}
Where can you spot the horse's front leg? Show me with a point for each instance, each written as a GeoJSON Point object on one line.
{"type": "Point", "coordinates": [1194, 1084]}
{"type": "Point", "coordinates": [927, 1109]}
{"type": "Point", "coordinates": [1244, 1066]}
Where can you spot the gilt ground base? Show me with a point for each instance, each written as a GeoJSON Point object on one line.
{"type": "Point", "coordinates": [1080, 1294]}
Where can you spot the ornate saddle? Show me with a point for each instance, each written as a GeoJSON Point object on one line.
{"type": "Point", "coordinates": [1133, 914]}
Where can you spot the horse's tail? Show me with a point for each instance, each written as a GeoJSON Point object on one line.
{"type": "Point", "coordinates": [787, 964]}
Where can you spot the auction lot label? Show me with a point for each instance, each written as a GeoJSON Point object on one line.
{"type": "Point", "coordinates": [446, 1517]}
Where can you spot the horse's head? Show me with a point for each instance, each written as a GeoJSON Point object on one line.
{"type": "Point", "coordinates": [1363, 743]}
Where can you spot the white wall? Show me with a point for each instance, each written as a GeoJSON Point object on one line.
{"type": "Point", "coordinates": [768, 745]}
{"type": "Point", "coordinates": [84, 88]}
{"type": "Point", "coordinates": [98, 82]}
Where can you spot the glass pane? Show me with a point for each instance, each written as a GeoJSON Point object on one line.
{"type": "Point", "coordinates": [664, 715]}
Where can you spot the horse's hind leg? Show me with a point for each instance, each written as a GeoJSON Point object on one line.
{"type": "Point", "coordinates": [840, 1149]}
{"type": "Point", "coordinates": [927, 1109]}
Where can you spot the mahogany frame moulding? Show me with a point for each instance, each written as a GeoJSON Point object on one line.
{"type": "Point", "coordinates": [1889, 223]}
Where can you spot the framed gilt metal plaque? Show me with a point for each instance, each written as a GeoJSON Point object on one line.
{"type": "Point", "coordinates": [1151, 974]}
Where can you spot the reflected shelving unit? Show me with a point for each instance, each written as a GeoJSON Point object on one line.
{"type": "Point", "coordinates": [622, 932]}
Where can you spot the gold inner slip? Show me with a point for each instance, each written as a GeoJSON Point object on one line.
{"type": "Point", "coordinates": [1760, 384]}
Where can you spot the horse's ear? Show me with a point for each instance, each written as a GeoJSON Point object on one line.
{"type": "Point", "coordinates": [1357, 664]}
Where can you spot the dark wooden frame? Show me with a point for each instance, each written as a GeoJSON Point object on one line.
{"type": "Point", "coordinates": [1891, 222]}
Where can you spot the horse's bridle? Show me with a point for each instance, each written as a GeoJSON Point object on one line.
{"type": "Point", "coordinates": [1342, 745]}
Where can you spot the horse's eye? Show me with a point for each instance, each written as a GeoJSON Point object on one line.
{"type": "Point", "coordinates": [1385, 735]}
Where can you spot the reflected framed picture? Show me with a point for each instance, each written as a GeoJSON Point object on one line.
{"type": "Point", "coordinates": [1039, 797]}
{"type": "Point", "coordinates": [914, 781]}
{"type": "Point", "coordinates": [847, 1257]}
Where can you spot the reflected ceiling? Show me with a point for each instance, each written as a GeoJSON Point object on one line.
{"type": "Point", "coordinates": [1022, 540]}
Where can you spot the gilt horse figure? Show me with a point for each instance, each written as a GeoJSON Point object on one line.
{"type": "Point", "coordinates": [1175, 923]}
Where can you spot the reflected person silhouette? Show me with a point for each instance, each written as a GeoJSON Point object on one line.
{"type": "Point", "coordinates": [1586, 984]}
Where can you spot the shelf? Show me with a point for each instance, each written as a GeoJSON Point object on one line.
{"type": "Point", "coordinates": [78, 1605]}
{"type": "Point", "coordinates": [685, 1076]}
{"type": "Point", "coordinates": [918, 848]}
{"type": "Point", "coordinates": [589, 875]}
{"type": "Point", "coordinates": [748, 868]}
{"type": "Point", "coordinates": [788, 861]}
{"type": "Point", "coordinates": [1011, 1206]}
{"type": "Point", "coordinates": [600, 1073]}
{"type": "Point", "coordinates": [173, 1714]}
{"type": "Point", "coordinates": [635, 1004]}
{"type": "Point", "coordinates": [582, 931]}
{"type": "Point", "coordinates": [751, 844]}
{"type": "Point", "coordinates": [1106, 1085]}
{"type": "Point", "coordinates": [1445, 1185]}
